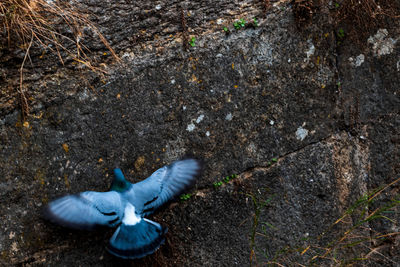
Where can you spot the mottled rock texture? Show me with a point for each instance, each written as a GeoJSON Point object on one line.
{"type": "Point", "coordinates": [306, 129]}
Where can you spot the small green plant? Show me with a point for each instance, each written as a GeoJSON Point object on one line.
{"type": "Point", "coordinates": [259, 204]}
{"type": "Point", "coordinates": [184, 197]}
{"type": "Point", "coordinates": [339, 84]}
{"type": "Point", "coordinates": [265, 226]}
{"type": "Point", "coordinates": [341, 33]}
{"type": "Point", "coordinates": [225, 180]}
{"type": "Point", "coordinates": [255, 22]}
{"type": "Point", "coordinates": [272, 161]}
{"type": "Point", "coordinates": [226, 29]}
{"type": "Point", "coordinates": [241, 23]}
{"type": "Point", "coordinates": [228, 178]}
{"type": "Point", "coordinates": [192, 42]}
{"type": "Point", "coordinates": [337, 5]}
{"type": "Point", "coordinates": [218, 184]}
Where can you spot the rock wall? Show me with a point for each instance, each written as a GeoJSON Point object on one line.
{"type": "Point", "coordinates": [308, 125]}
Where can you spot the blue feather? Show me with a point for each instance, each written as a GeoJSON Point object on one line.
{"type": "Point", "coordinates": [86, 210]}
{"type": "Point", "coordinates": [125, 206]}
{"type": "Point", "coordinates": [137, 241]}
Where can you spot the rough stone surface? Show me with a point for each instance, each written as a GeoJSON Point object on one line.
{"type": "Point", "coordinates": [235, 99]}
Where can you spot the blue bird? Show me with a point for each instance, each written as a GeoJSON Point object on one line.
{"type": "Point", "coordinates": [125, 206]}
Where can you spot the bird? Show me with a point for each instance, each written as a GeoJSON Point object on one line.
{"type": "Point", "coordinates": [125, 206]}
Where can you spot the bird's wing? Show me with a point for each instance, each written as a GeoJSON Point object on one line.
{"type": "Point", "coordinates": [136, 237]}
{"type": "Point", "coordinates": [163, 185]}
{"type": "Point", "coordinates": [86, 210]}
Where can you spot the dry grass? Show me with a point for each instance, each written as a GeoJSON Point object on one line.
{"type": "Point", "coordinates": [363, 17]}
{"type": "Point", "coordinates": [359, 17]}
{"type": "Point", "coordinates": [354, 234]}
{"type": "Point", "coordinates": [55, 25]}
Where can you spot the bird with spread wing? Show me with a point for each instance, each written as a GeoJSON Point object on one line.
{"type": "Point", "coordinates": [125, 207]}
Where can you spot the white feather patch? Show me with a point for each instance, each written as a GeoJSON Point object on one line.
{"type": "Point", "coordinates": [130, 217]}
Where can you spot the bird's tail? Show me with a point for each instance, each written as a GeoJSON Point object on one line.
{"type": "Point", "coordinates": [138, 240]}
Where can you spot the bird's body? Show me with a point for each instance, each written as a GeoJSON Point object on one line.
{"type": "Point", "coordinates": [125, 206]}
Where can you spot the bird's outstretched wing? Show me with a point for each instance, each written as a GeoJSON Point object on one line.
{"type": "Point", "coordinates": [86, 210]}
{"type": "Point", "coordinates": [163, 185]}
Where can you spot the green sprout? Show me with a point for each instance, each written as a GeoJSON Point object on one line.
{"type": "Point", "coordinates": [239, 24]}
{"type": "Point", "coordinates": [338, 84]}
{"type": "Point", "coordinates": [226, 29]}
{"type": "Point", "coordinates": [218, 184]}
{"type": "Point", "coordinates": [255, 22]}
{"type": "Point", "coordinates": [337, 5]}
{"type": "Point", "coordinates": [192, 42]}
{"type": "Point", "coordinates": [272, 161]}
{"type": "Point", "coordinates": [225, 180]}
{"type": "Point", "coordinates": [341, 33]}
{"type": "Point", "coordinates": [184, 197]}
{"type": "Point", "coordinates": [228, 178]}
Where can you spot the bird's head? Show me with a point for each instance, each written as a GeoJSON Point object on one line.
{"type": "Point", "coordinates": [119, 184]}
